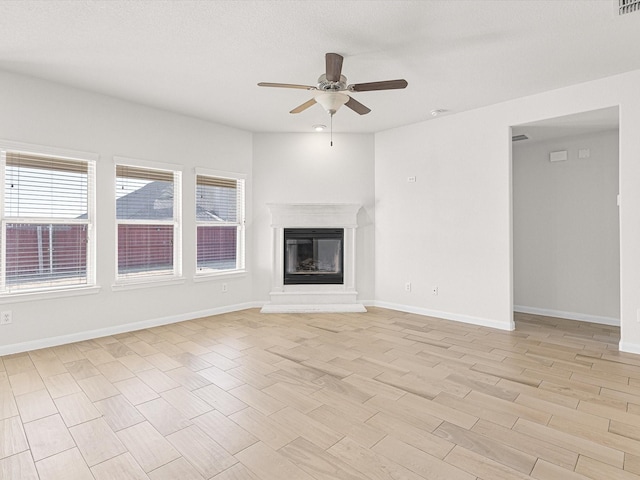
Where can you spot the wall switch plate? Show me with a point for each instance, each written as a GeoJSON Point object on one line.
{"type": "Point", "coordinates": [224, 288]}
{"type": "Point", "coordinates": [6, 317]}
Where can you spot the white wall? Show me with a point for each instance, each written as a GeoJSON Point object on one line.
{"type": "Point", "coordinates": [304, 168]}
{"type": "Point", "coordinates": [44, 113]}
{"type": "Point", "coordinates": [449, 229]}
{"type": "Point", "coordinates": [566, 255]}
{"type": "Point", "coordinates": [453, 226]}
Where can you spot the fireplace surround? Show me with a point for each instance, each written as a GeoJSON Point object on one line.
{"type": "Point", "coordinates": [331, 294]}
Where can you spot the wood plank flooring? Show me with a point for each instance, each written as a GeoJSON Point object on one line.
{"type": "Point", "coordinates": [377, 396]}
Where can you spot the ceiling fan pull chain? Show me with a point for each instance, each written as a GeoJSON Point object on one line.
{"type": "Point", "coordinates": [331, 129]}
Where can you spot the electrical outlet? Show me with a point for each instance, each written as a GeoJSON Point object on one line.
{"type": "Point", "coordinates": [407, 286]}
{"type": "Point", "coordinates": [6, 317]}
{"type": "Point", "coordinates": [434, 290]}
{"type": "Point", "coordinates": [224, 288]}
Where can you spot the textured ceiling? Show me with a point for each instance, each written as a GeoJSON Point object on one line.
{"type": "Point", "coordinates": [204, 58]}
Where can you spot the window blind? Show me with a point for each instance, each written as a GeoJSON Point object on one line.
{"type": "Point", "coordinates": [45, 187]}
{"type": "Point", "coordinates": [220, 223]}
{"type": "Point", "coordinates": [47, 218]}
{"type": "Point", "coordinates": [148, 222]}
{"type": "Point", "coordinates": [147, 174]}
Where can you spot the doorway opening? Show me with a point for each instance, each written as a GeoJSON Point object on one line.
{"type": "Point", "coordinates": [565, 218]}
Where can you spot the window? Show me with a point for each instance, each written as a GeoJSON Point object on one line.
{"type": "Point", "coordinates": [219, 223]}
{"type": "Point", "coordinates": [148, 223]}
{"type": "Point", "coordinates": [47, 222]}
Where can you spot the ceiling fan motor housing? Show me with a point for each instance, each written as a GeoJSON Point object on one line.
{"type": "Point", "coordinates": [329, 86]}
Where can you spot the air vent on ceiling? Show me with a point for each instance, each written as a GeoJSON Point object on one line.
{"type": "Point", "coordinates": [628, 6]}
{"type": "Point", "coordinates": [517, 138]}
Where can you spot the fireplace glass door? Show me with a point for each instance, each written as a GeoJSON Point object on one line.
{"type": "Point", "coordinates": [313, 256]}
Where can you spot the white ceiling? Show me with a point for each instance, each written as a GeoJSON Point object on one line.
{"type": "Point", "coordinates": [204, 58]}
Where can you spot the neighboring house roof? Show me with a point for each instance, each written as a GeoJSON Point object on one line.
{"type": "Point", "coordinates": [207, 215]}
{"type": "Point", "coordinates": [154, 201]}
{"type": "Point", "coordinates": [151, 202]}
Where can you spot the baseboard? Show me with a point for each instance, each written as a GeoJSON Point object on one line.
{"type": "Point", "coordinates": [629, 347]}
{"type": "Point", "coordinates": [583, 317]}
{"type": "Point", "coordinates": [124, 328]}
{"type": "Point", "coordinates": [483, 322]}
{"type": "Point", "coordinates": [129, 327]}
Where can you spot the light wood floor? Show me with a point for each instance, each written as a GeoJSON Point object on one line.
{"type": "Point", "coordinates": [382, 395]}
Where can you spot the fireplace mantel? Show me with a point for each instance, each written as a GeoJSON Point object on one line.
{"type": "Point", "coordinates": [314, 298]}
{"type": "Point", "coordinates": [320, 215]}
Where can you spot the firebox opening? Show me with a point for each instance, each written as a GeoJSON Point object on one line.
{"type": "Point", "coordinates": [313, 256]}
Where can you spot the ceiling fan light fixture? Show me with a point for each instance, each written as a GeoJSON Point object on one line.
{"type": "Point", "coordinates": [331, 101]}
{"type": "Point", "coordinates": [319, 128]}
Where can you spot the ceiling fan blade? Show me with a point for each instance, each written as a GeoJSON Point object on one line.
{"type": "Point", "coordinates": [286, 85]}
{"type": "Point", "coordinates": [304, 106]}
{"type": "Point", "coordinates": [385, 85]}
{"type": "Point", "coordinates": [357, 106]}
{"type": "Point", "coordinates": [334, 66]}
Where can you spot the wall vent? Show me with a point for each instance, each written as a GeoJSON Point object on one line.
{"type": "Point", "coordinates": [517, 138]}
{"type": "Point", "coordinates": [628, 6]}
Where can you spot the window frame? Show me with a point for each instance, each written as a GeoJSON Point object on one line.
{"type": "Point", "coordinates": [240, 224]}
{"type": "Point", "coordinates": [149, 279]}
{"type": "Point", "coordinates": [49, 291]}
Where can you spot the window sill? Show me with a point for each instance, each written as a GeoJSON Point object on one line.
{"type": "Point", "coordinates": [46, 295]}
{"type": "Point", "coordinates": [134, 285]}
{"type": "Point", "coordinates": [213, 276]}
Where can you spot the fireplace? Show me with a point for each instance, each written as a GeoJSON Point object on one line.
{"type": "Point", "coordinates": [313, 256]}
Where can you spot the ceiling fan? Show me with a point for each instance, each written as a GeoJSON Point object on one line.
{"type": "Point", "coordinates": [332, 87]}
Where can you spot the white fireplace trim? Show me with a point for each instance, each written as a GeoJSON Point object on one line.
{"type": "Point", "coordinates": [321, 215]}
{"type": "Point", "coordinates": [314, 298]}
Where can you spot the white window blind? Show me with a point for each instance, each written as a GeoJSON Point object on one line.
{"type": "Point", "coordinates": [47, 221]}
{"type": "Point", "coordinates": [219, 223]}
{"type": "Point", "coordinates": [148, 221]}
